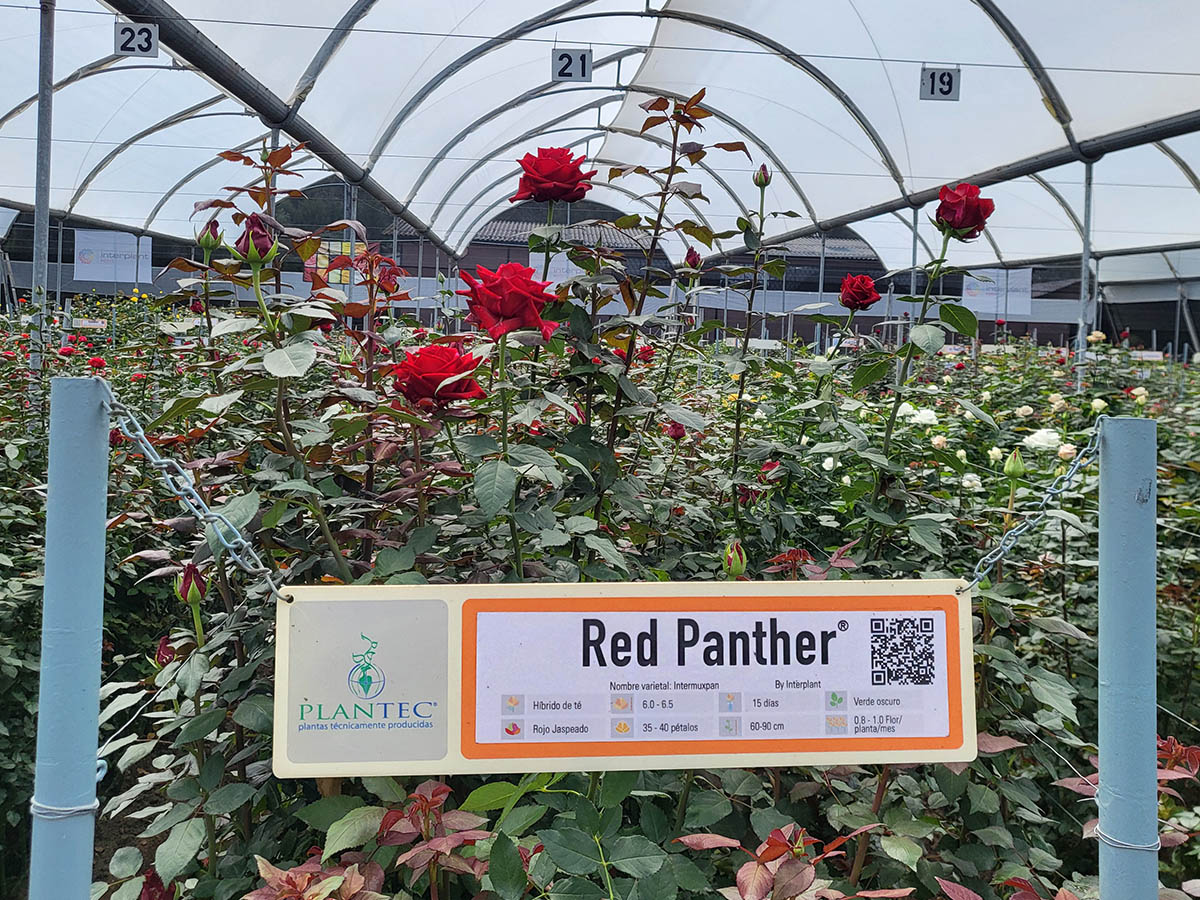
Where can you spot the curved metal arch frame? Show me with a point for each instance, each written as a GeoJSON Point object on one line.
{"type": "Point", "coordinates": [552, 17]}
{"type": "Point", "coordinates": [615, 130]}
{"type": "Point", "coordinates": [649, 91]}
{"type": "Point", "coordinates": [95, 67]}
{"type": "Point", "coordinates": [909, 225]}
{"type": "Point", "coordinates": [190, 114]}
{"type": "Point", "coordinates": [507, 176]}
{"type": "Point", "coordinates": [332, 43]}
{"type": "Point", "coordinates": [546, 89]}
{"type": "Point", "coordinates": [1182, 164]}
{"type": "Point", "coordinates": [1060, 199]}
{"type": "Point", "coordinates": [199, 170]}
{"type": "Point", "coordinates": [474, 227]}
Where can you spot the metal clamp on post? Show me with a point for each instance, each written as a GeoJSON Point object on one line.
{"type": "Point", "coordinates": [178, 480]}
{"type": "Point", "coordinates": [1057, 488]}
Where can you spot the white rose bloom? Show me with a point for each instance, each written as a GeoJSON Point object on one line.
{"type": "Point", "coordinates": [989, 370]}
{"type": "Point", "coordinates": [906, 409]}
{"type": "Point", "coordinates": [985, 396]}
{"type": "Point", "coordinates": [946, 379]}
{"type": "Point", "coordinates": [1096, 337]}
{"type": "Point", "coordinates": [804, 441]}
{"type": "Point", "coordinates": [1043, 439]}
{"type": "Point", "coordinates": [1067, 452]}
{"type": "Point", "coordinates": [1055, 398]}
{"type": "Point", "coordinates": [1140, 400]}
{"type": "Point", "coordinates": [972, 482]}
{"type": "Point", "coordinates": [968, 415]}
{"type": "Point", "coordinates": [1058, 406]}
{"type": "Point", "coordinates": [1139, 391]}
{"type": "Point", "coordinates": [924, 417]}
{"type": "Point", "coordinates": [938, 441]}
{"type": "Point", "coordinates": [961, 454]}
{"type": "Point", "coordinates": [995, 454]}
{"type": "Point", "coordinates": [829, 464]}
{"type": "Point", "coordinates": [846, 480]}
{"type": "Point", "coordinates": [1023, 411]}
{"type": "Point", "coordinates": [1099, 405]}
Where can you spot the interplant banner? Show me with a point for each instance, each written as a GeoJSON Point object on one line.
{"type": "Point", "coordinates": [438, 679]}
{"type": "Point", "coordinates": [112, 256]}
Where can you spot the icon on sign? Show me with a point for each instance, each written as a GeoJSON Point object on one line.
{"type": "Point", "coordinates": [621, 728]}
{"type": "Point", "coordinates": [835, 699]}
{"type": "Point", "coordinates": [730, 727]}
{"type": "Point", "coordinates": [513, 730]}
{"type": "Point", "coordinates": [835, 725]}
{"type": "Point", "coordinates": [622, 703]}
{"type": "Point", "coordinates": [512, 705]}
{"type": "Point", "coordinates": [729, 702]}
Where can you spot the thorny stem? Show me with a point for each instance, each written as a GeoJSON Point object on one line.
{"type": "Point", "coordinates": [735, 459]}
{"type": "Point", "coordinates": [289, 444]}
{"type": "Point", "coordinates": [681, 805]}
{"type": "Point", "coordinates": [505, 399]}
{"type": "Point", "coordinates": [549, 221]}
{"type": "Point", "coordinates": [860, 855]}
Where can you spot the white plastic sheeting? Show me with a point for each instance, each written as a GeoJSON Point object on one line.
{"type": "Point", "coordinates": [437, 100]}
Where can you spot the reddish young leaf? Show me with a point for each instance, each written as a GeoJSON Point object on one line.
{"type": "Point", "coordinates": [1064, 894]}
{"type": "Point", "coordinates": [1023, 884]}
{"type": "Point", "coordinates": [658, 104]}
{"type": "Point", "coordinates": [887, 892]}
{"type": "Point", "coordinates": [652, 122]}
{"type": "Point", "coordinates": [957, 891]}
{"type": "Point", "coordinates": [234, 156]}
{"type": "Point", "coordinates": [793, 878]}
{"type": "Point", "coordinates": [841, 839]}
{"type": "Point", "coordinates": [754, 881]}
{"type": "Point", "coordinates": [733, 147]}
{"type": "Point", "coordinates": [279, 157]}
{"type": "Point", "coordinates": [707, 841]}
{"type": "Point", "coordinates": [993, 743]}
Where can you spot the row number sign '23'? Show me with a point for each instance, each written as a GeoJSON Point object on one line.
{"type": "Point", "coordinates": [135, 39]}
{"type": "Point", "coordinates": [432, 679]}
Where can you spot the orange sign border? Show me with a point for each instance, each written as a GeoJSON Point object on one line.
{"type": "Point", "coordinates": [473, 606]}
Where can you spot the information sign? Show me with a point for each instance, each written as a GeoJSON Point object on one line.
{"type": "Point", "coordinates": [940, 83]}
{"type": "Point", "coordinates": [570, 64]}
{"type": "Point", "coordinates": [135, 39]}
{"type": "Point", "coordinates": [433, 679]}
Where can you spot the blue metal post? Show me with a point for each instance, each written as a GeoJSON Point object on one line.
{"type": "Point", "coordinates": [1128, 796]}
{"type": "Point", "coordinates": [72, 615]}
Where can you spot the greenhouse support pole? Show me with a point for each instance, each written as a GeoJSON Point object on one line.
{"type": "Point", "coordinates": [1128, 794]}
{"type": "Point", "coordinates": [64, 792]}
{"type": "Point", "coordinates": [821, 272]}
{"type": "Point", "coordinates": [791, 322]}
{"type": "Point", "coordinates": [420, 264]}
{"type": "Point", "coordinates": [1085, 280]}
{"type": "Point", "coordinates": [41, 184]}
{"type": "Point", "coordinates": [1178, 316]}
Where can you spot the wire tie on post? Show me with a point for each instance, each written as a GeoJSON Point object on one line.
{"type": "Point", "coordinates": [1122, 845]}
{"type": "Point", "coordinates": [42, 811]}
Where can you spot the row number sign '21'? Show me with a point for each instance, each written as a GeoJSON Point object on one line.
{"type": "Point", "coordinates": [433, 679]}
{"type": "Point", "coordinates": [570, 64]}
{"type": "Point", "coordinates": [135, 39]}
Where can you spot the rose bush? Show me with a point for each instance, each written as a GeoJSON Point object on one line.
{"type": "Point", "coordinates": [354, 446]}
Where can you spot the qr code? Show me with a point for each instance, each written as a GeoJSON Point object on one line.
{"type": "Point", "coordinates": [902, 651]}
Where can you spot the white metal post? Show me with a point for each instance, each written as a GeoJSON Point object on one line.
{"type": "Point", "coordinates": [1128, 794]}
{"type": "Point", "coordinates": [41, 185]}
{"type": "Point", "coordinates": [1085, 279]}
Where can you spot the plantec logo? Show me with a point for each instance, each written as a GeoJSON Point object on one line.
{"type": "Point", "coordinates": [366, 682]}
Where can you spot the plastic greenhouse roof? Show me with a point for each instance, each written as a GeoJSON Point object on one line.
{"type": "Point", "coordinates": [426, 105]}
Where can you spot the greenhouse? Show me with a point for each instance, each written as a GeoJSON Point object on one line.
{"type": "Point", "coordinates": [600, 450]}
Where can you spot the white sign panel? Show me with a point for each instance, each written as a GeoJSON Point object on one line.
{"type": "Point", "coordinates": [135, 39]}
{"type": "Point", "coordinates": [561, 268]}
{"type": "Point", "coordinates": [570, 64]}
{"type": "Point", "coordinates": [999, 293]}
{"type": "Point", "coordinates": [112, 256]}
{"type": "Point", "coordinates": [939, 83]}
{"type": "Point", "coordinates": [533, 678]}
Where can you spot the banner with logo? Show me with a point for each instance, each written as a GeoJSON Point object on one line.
{"type": "Point", "coordinates": [112, 256]}
{"type": "Point", "coordinates": [997, 293]}
{"type": "Point", "coordinates": [408, 680]}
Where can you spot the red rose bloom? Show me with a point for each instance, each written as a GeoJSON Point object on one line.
{"type": "Point", "coordinates": [554, 174]}
{"type": "Point", "coordinates": [676, 432]}
{"type": "Point", "coordinates": [165, 652]}
{"type": "Point", "coordinates": [97, 362]}
{"type": "Point", "coordinates": [66, 351]}
{"type": "Point", "coordinates": [421, 377]}
{"type": "Point", "coordinates": [645, 353]}
{"type": "Point", "coordinates": [153, 887]}
{"type": "Point", "coordinates": [858, 292]}
{"type": "Point", "coordinates": [507, 300]}
{"type": "Point", "coordinates": [960, 366]}
{"type": "Point", "coordinates": [1001, 322]}
{"type": "Point", "coordinates": [962, 213]}
{"type": "Point", "coordinates": [197, 306]}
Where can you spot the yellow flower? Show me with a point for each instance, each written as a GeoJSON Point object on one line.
{"type": "Point", "coordinates": [734, 376]}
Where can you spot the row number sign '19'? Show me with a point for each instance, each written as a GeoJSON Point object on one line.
{"type": "Point", "coordinates": [434, 679]}
{"type": "Point", "coordinates": [939, 83]}
{"type": "Point", "coordinates": [135, 39]}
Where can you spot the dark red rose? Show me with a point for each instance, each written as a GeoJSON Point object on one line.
{"type": "Point", "coordinates": [645, 353]}
{"type": "Point", "coordinates": [326, 326]}
{"type": "Point", "coordinates": [165, 653]}
{"type": "Point", "coordinates": [962, 213]}
{"type": "Point", "coordinates": [190, 586]}
{"type": "Point", "coordinates": [960, 366]}
{"type": "Point", "coordinates": [858, 292]}
{"type": "Point", "coordinates": [507, 300]}
{"type": "Point", "coordinates": [209, 238]}
{"type": "Point", "coordinates": [554, 174]}
{"type": "Point", "coordinates": [421, 377]}
{"type": "Point", "coordinates": [1001, 322]}
{"type": "Point", "coordinates": [97, 362]}
{"type": "Point", "coordinates": [255, 243]}
{"type": "Point", "coordinates": [197, 306]}
{"type": "Point", "coordinates": [691, 259]}
{"type": "Point", "coordinates": [676, 432]}
{"type": "Point", "coordinates": [153, 887]}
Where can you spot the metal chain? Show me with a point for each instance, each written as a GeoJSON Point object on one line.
{"type": "Point", "coordinates": [178, 480]}
{"type": "Point", "coordinates": [1057, 488]}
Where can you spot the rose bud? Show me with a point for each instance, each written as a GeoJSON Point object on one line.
{"type": "Point", "coordinates": [691, 259]}
{"type": "Point", "coordinates": [762, 177]}
{"type": "Point", "coordinates": [734, 562]}
{"type": "Point", "coordinates": [209, 237]}
{"type": "Point", "coordinates": [190, 586]}
{"type": "Point", "coordinates": [676, 432]}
